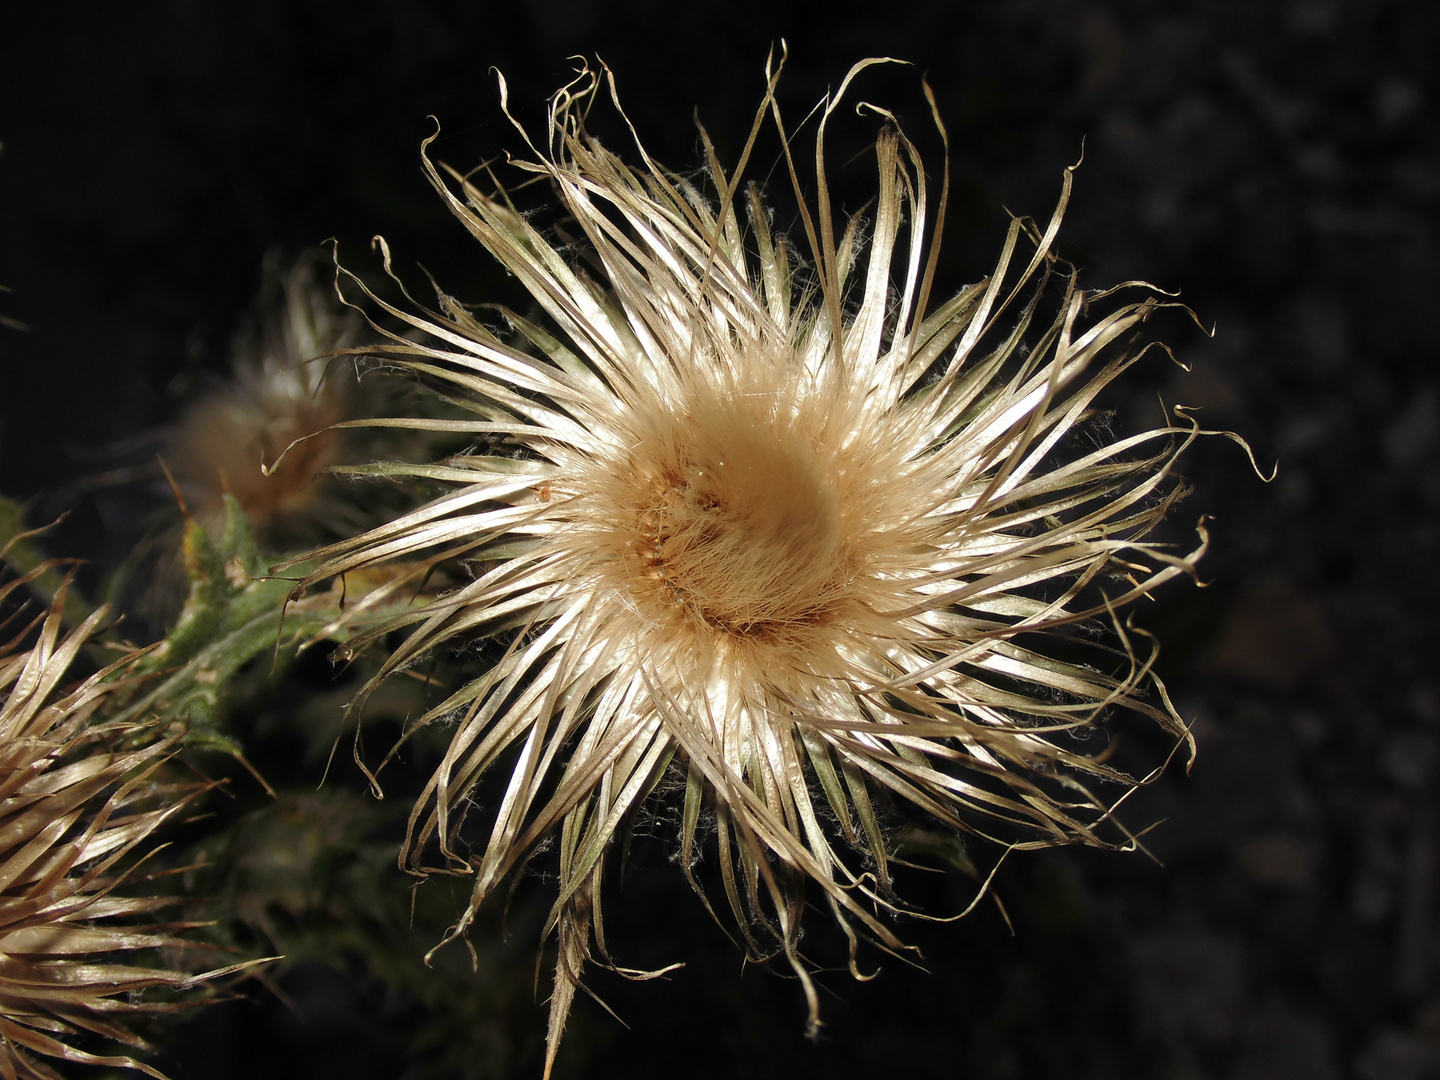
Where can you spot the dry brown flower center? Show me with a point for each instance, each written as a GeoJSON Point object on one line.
{"type": "Point", "coordinates": [736, 524]}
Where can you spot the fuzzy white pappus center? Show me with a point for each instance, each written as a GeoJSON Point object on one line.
{"type": "Point", "coordinates": [732, 522]}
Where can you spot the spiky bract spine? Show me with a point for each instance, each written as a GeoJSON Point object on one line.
{"type": "Point", "coordinates": [778, 526]}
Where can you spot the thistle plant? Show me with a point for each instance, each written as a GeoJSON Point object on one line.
{"type": "Point", "coordinates": [755, 511]}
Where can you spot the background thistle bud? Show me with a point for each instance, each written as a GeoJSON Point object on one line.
{"type": "Point", "coordinates": [282, 390]}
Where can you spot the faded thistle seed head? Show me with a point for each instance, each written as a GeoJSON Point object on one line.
{"type": "Point", "coordinates": [776, 524]}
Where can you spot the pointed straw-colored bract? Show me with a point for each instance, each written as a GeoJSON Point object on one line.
{"type": "Point", "coordinates": [778, 525]}
{"type": "Point", "coordinates": [78, 797]}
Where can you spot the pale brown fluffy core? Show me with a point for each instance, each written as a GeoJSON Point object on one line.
{"type": "Point", "coordinates": [735, 525]}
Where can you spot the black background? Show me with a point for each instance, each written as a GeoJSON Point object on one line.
{"type": "Point", "coordinates": [1276, 162]}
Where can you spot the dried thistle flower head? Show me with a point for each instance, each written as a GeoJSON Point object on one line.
{"type": "Point", "coordinates": [78, 798]}
{"type": "Point", "coordinates": [778, 525]}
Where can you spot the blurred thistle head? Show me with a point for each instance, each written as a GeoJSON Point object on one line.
{"type": "Point", "coordinates": [282, 394]}
{"type": "Point", "coordinates": [271, 435]}
{"type": "Point", "coordinates": [755, 511]}
{"type": "Point", "coordinates": [79, 800]}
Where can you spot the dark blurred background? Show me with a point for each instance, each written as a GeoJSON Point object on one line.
{"type": "Point", "coordinates": [1276, 162]}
